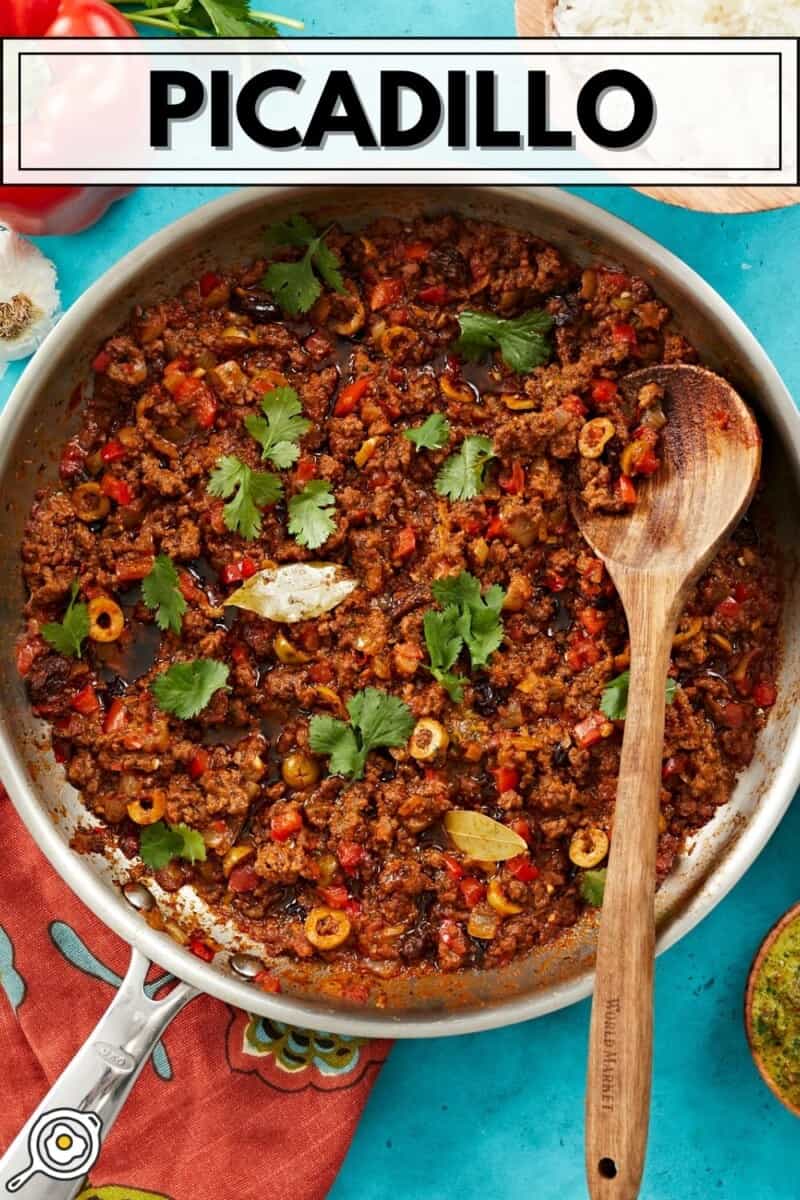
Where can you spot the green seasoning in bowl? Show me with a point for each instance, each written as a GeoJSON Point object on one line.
{"type": "Point", "coordinates": [773, 1010]}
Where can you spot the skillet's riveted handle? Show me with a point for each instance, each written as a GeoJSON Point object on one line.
{"type": "Point", "coordinates": [59, 1144]}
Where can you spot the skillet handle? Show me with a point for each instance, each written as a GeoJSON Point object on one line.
{"type": "Point", "coordinates": [53, 1152]}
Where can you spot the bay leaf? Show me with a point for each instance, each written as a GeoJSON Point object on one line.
{"type": "Point", "coordinates": [481, 837]}
{"type": "Point", "coordinates": [294, 592]}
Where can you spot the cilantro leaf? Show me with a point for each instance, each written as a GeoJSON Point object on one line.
{"type": "Point", "coordinates": [444, 644]}
{"type": "Point", "coordinates": [461, 475]}
{"type": "Point", "coordinates": [231, 18]}
{"type": "Point", "coordinates": [376, 719]}
{"type": "Point", "coordinates": [247, 491]}
{"type": "Point", "coordinates": [159, 843]}
{"type": "Point", "coordinates": [309, 523]}
{"type": "Point", "coordinates": [478, 621]}
{"type": "Point", "coordinates": [201, 18]}
{"type": "Point", "coordinates": [68, 635]}
{"type": "Point", "coordinates": [294, 285]}
{"type": "Point", "coordinates": [433, 434]}
{"type": "Point", "coordinates": [522, 341]}
{"type": "Point", "coordinates": [185, 688]}
{"type": "Point", "coordinates": [592, 886]}
{"type": "Point", "coordinates": [160, 591]}
{"type": "Point", "coordinates": [281, 427]}
{"type": "Point", "coordinates": [614, 701]}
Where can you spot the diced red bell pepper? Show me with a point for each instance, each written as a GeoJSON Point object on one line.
{"type": "Point", "coordinates": [506, 779]}
{"type": "Point", "coordinates": [416, 251]}
{"type": "Point", "coordinates": [622, 332]}
{"type": "Point", "coordinates": [235, 572]}
{"type": "Point", "coordinates": [404, 544]}
{"type": "Point", "coordinates": [764, 694]}
{"type": "Point", "coordinates": [116, 717]}
{"type": "Point", "coordinates": [335, 895]}
{"type": "Point", "coordinates": [198, 763]}
{"type": "Point", "coordinates": [523, 869]}
{"type": "Point", "coordinates": [592, 729]}
{"type": "Point", "coordinates": [626, 489]}
{"type": "Point", "coordinates": [472, 890]}
{"type": "Point", "coordinates": [728, 609]}
{"type": "Point", "coordinates": [116, 489]}
{"type": "Point", "coordinates": [514, 482]}
{"type": "Point", "coordinates": [742, 592]}
{"type": "Point", "coordinates": [496, 528]}
{"type": "Point", "coordinates": [268, 982]}
{"type": "Point", "coordinates": [86, 701]}
{"type": "Point", "coordinates": [208, 281]}
{"type": "Point", "coordinates": [113, 451]}
{"type": "Point", "coordinates": [453, 867]}
{"type": "Point", "coordinates": [101, 362]}
{"type": "Point", "coordinates": [521, 827]}
{"type": "Point", "coordinates": [593, 620]}
{"type": "Point", "coordinates": [200, 948]}
{"type": "Point", "coordinates": [72, 462]}
{"type": "Point", "coordinates": [189, 588]}
{"type": "Point", "coordinates": [306, 468]}
{"type": "Point", "coordinates": [437, 293]}
{"type": "Point", "coordinates": [350, 855]}
{"type": "Point", "coordinates": [133, 568]}
{"type": "Point", "coordinates": [675, 765]}
{"type": "Point", "coordinates": [733, 714]}
{"type": "Point", "coordinates": [285, 823]}
{"type": "Point", "coordinates": [582, 653]}
{"type": "Point", "coordinates": [243, 879]}
{"type": "Point", "coordinates": [616, 281]}
{"type": "Point", "coordinates": [350, 395]}
{"type": "Point", "coordinates": [205, 409]}
{"type": "Point", "coordinates": [554, 581]}
{"type": "Point", "coordinates": [604, 391]}
{"type": "Point", "coordinates": [386, 292]}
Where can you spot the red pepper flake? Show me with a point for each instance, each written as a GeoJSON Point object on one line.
{"type": "Point", "coordinates": [113, 451]}
{"type": "Point", "coordinates": [472, 890]}
{"type": "Point", "coordinates": [722, 417]}
{"type": "Point", "coordinates": [350, 395]}
{"type": "Point", "coordinates": [201, 948]}
{"type": "Point", "coordinates": [198, 763]}
{"type": "Point", "coordinates": [86, 701]}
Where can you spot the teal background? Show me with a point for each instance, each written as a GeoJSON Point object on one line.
{"type": "Point", "coordinates": [500, 1114]}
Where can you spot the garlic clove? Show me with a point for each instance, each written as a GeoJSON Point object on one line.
{"type": "Point", "coordinates": [29, 298]}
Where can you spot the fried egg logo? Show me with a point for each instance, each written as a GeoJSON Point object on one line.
{"type": "Point", "coordinates": [63, 1144]}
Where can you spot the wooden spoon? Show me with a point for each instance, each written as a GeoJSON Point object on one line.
{"type": "Point", "coordinates": [710, 461]}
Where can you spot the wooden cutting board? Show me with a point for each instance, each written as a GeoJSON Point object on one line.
{"type": "Point", "coordinates": [535, 19]}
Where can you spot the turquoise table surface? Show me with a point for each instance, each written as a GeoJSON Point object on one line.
{"type": "Point", "coordinates": [500, 1114]}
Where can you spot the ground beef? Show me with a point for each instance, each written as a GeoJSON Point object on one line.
{"type": "Point", "coordinates": [527, 744]}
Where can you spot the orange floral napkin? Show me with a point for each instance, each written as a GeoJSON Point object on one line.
{"type": "Point", "coordinates": [229, 1105]}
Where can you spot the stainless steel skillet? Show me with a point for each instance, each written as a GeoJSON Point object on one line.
{"type": "Point", "coordinates": [35, 424]}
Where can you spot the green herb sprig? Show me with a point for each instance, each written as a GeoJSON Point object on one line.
{"type": "Point", "coordinates": [247, 492]}
{"type": "Point", "coordinates": [160, 592]}
{"type": "Point", "coordinates": [160, 843]}
{"type": "Point", "coordinates": [376, 719]}
{"type": "Point", "coordinates": [296, 285]}
{"type": "Point", "coordinates": [279, 431]}
{"type": "Point", "coordinates": [68, 635]}
{"type": "Point", "coordinates": [522, 341]}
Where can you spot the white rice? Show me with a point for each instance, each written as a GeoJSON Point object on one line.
{"type": "Point", "coordinates": [678, 18]}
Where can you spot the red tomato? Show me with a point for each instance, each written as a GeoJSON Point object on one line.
{"type": "Point", "coordinates": [764, 694]}
{"type": "Point", "coordinates": [523, 869]}
{"type": "Point", "coordinates": [88, 18]}
{"type": "Point", "coordinates": [26, 18]}
{"type": "Point", "coordinates": [472, 890]}
{"type": "Point", "coordinates": [506, 778]}
{"type": "Point", "coordinates": [350, 855]}
{"type": "Point", "coordinates": [116, 717]}
{"type": "Point", "coordinates": [198, 763]}
{"type": "Point", "coordinates": [285, 823]}
{"type": "Point", "coordinates": [404, 544]}
{"type": "Point", "coordinates": [86, 701]}
{"type": "Point", "coordinates": [436, 294]}
{"type": "Point", "coordinates": [386, 292]}
{"type": "Point", "coordinates": [350, 395]}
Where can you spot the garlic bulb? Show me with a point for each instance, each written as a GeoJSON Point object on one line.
{"type": "Point", "coordinates": [29, 299]}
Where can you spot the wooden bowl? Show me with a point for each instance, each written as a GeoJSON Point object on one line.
{"type": "Point", "coordinates": [535, 19]}
{"type": "Point", "coordinates": [788, 917]}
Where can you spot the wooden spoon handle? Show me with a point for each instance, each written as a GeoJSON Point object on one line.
{"type": "Point", "coordinates": [621, 1034]}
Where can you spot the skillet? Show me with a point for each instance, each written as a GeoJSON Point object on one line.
{"type": "Point", "coordinates": [33, 427]}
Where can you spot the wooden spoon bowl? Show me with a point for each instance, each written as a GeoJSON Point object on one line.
{"type": "Point", "coordinates": [777, 929]}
